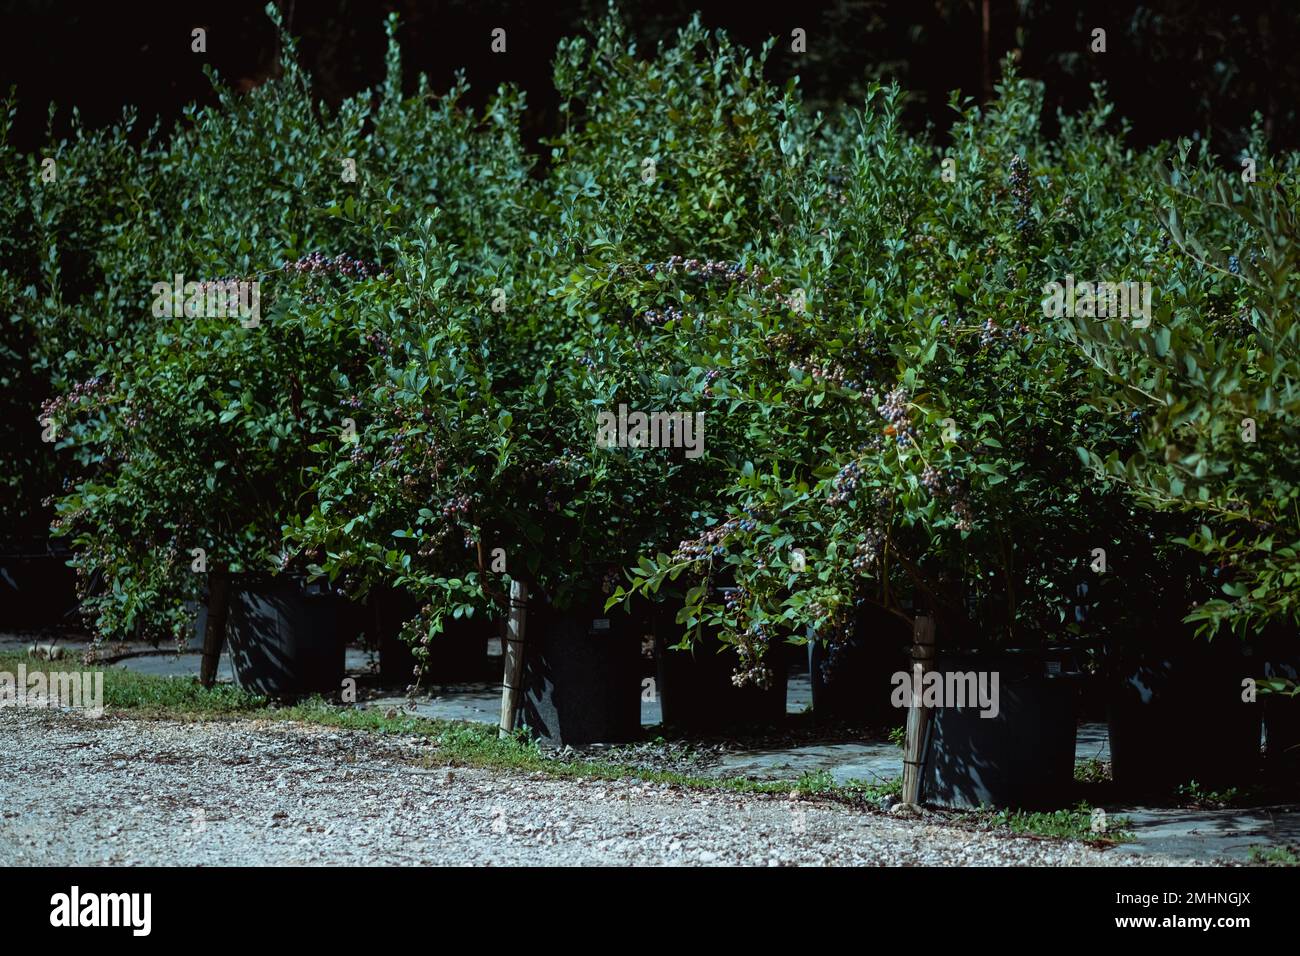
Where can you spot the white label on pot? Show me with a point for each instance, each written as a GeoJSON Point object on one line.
{"type": "Point", "coordinates": [1053, 667]}
{"type": "Point", "coordinates": [600, 624]}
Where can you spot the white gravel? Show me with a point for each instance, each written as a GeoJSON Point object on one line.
{"type": "Point", "coordinates": [80, 791]}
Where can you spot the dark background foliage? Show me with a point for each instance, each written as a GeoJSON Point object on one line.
{"type": "Point", "coordinates": [1172, 68]}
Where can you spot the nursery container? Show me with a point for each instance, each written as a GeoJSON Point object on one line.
{"type": "Point", "coordinates": [1282, 724]}
{"type": "Point", "coordinates": [37, 588]}
{"type": "Point", "coordinates": [457, 655]}
{"type": "Point", "coordinates": [1023, 756]}
{"type": "Point", "coordinates": [695, 685]}
{"type": "Point", "coordinates": [852, 681]}
{"type": "Point", "coordinates": [1176, 715]}
{"type": "Point", "coordinates": [582, 681]}
{"type": "Point", "coordinates": [1278, 651]}
{"type": "Point", "coordinates": [284, 638]}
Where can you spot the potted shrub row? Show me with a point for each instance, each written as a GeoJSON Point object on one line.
{"type": "Point", "coordinates": [723, 372]}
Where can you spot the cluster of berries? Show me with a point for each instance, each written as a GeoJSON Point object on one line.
{"type": "Point", "coordinates": [378, 341]}
{"type": "Point", "coordinates": [751, 672]}
{"type": "Point", "coordinates": [227, 286]}
{"type": "Point", "coordinates": [871, 397]}
{"type": "Point", "coordinates": [709, 544]}
{"type": "Point", "coordinates": [709, 378]}
{"type": "Point", "coordinates": [832, 659]}
{"type": "Point", "coordinates": [757, 675]}
{"type": "Point", "coordinates": [991, 332]}
{"type": "Point", "coordinates": [965, 515]}
{"type": "Point", "coordinates": [845, 485]}
{"type": "Point", "coordinates": [430, 541]}
{"type": "Point", "coordinates": [836, 631]}
{"type": "Point", "coordinates": [395, 452]}
{"type": "Point", "coordinates": [587, 361]}
{"type": "Point", "coordinates": [658, 317]}
{"type": "Point", "coordinates": [941, 484]}
{"type": "Point", "coordinates": [1244, 324]}
{"type": "Point", "coordinates": [899, 420]}
{"type": "Point", "coordinates": [1022, 191]}
{"type": "Point", "coordinates": [867, 553]}
{"type": "Point", "coordinates": [567, 461]}
{"type": "Point", "coordinates": [706, 269]}
{"type": "Point", "coordinates": [731, 272]}
{"type": "Point", "coordinates": [865, 352]}
{"type": "Point", "coordinates": [819, 613]}
{"type": "Point", "coordinates": [833, 374]}
{"type": "Point", "coordinates": [427, 455]}
{"type": "Point", "coordinates": [781, 342]}
{"type": "Point", "coordinates": [610, 582]}
{"type": "Point", "coordinates": [735, 599]}
{"type": "Point", "coordinates": [316, 264]}
{"type": "Point", "coordinates": [131, 418]}
{"type": "Point", "coordinates": [456, 507]}
{"type": "Point", "coordinates": [87, 390]}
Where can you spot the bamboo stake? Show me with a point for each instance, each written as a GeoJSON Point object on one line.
{"type": "Point", "coordinates": [214, 634]}
{"type": "Point", "coordinates": [512, 680]}
{"type": "Point", "coordinates": [918, 717]}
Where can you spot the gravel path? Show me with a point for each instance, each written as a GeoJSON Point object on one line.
{"type": "Point", "coordinates": [78, 791]}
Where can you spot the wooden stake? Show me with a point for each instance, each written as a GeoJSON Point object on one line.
{"type": "Point", "coordinates": [513, 678]}
{"type": "Point", "coordinates": [918, 717]}
{"type": "Point", "coordinates": [214, 634]}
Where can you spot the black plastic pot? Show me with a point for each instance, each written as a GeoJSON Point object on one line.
{"type": "Point", "coordinates": [852, 680]}
{"type": "Point", "coordinates": [1022, 757]}
{"type": "Point", "coordinates": [582, 682]}
{"type": "Point", "coordinates": [695, 686]}
{"type": "Point", "coordinates": [284, 638]}
{"type": "Point", "coordinates": [1177, 715]}
{"type": "Point", "coordinates": [37, 589]}
{"type": "Point", "coordinates": [457, 655]}
{"type": "Point", "coordinates": [1282, 724]}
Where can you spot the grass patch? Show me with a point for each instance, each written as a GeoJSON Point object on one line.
{"type": "Point", "coordinates": [148, 693]}
{"type": "Point", "coordinates": [1072, 824]}
{"type": "Point", "coordinates": [1275, 855]}
{"type": "Point", "coordinates": [1092, 770]}
{"type": "Point", "coordinates": [1194, 795]}
{"type": "Point", "coordinates": [822, 784]}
